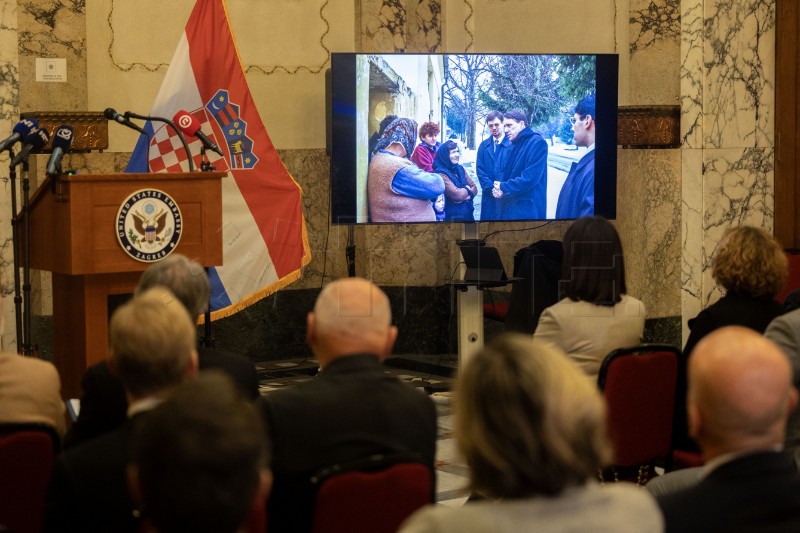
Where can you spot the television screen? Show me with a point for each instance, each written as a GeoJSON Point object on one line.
{"type": "Point", "coordinates": [472, 137]}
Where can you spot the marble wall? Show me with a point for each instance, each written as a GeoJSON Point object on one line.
{"type": "Point", "coordinates": [727, 159]}
{"type": "Point", "coordinates": [714, 57]}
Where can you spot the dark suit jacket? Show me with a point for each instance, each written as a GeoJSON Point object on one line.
{"type": "Point", "coordinates": [755, 493]}
{"type": "Point", "coordinates": [351, 410]}
{"type": "Point", "coordinates": [488, 167]}
{"type": "Point", "coordinates": [89, 488]}
{"type": "Point", "coordinates": [104, 406]}
{"type": "Point", "coordinates": [577, 195]}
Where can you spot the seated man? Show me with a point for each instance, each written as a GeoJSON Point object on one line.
{"type": "Point", "coordinates": [152, 345]}
{"type": "Point", "coordinates": [740, 396]}
{"type": "Point", "coordinates": [103, 404]}
{"type": "Point", "coordinates": [30, 391]}
{"type": "Point", "coordinates": [351, 410]}
{"type": "Point", "coordinates": [200, 459]}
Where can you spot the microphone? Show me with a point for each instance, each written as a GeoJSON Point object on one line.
{"type": "Point", "coordinates": [191, 126]}
{"type": "Point", "coordinates": [111, 114]}
{"type": "Point", "coordinates": [62, 142]}
{"type": "Point", "coordinates": [21, 129]}
{"type": "Point", "coordinates": [34, 142]}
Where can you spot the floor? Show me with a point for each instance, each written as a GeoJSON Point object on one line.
{"type": "Point", "coordinates": [434, 374]}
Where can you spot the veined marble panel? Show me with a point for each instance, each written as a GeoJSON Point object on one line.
{"type": "Point", "coordinates": [739, 51]}
{"type": "Point", "coordinates": [9, 114]}
{"type": "Point", "coordinates": [691, 73]}
{"type": "Point", "coordinates": [655, 43]}
{"type": "Point", "coordinates": [383, 26]}
{"type": "Point", "coordinates": [692, 261]}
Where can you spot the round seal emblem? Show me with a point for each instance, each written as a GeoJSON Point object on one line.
{"type": "Point", "coordinates": [149, 225]}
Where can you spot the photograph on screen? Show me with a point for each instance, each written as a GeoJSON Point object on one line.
{"type": "Point", "coordinates": [472, 137]}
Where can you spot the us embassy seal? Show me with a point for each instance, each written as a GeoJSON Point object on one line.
{"type": "Point", "coordinates": [149, 225]}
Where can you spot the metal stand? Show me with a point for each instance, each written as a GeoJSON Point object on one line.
{"type": "Point", "coordinates": [12, 177]}
{"type": "Point", "coordinates": [470, 311]}
{"type": "Point", "coordinates": [208, 338]}
{"type": "Point", "coordinates": [27, 347]}
{"type": "Point", "coordinates": [350, 251]}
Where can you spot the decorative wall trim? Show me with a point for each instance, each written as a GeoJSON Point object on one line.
{"type": "Point", "coordinates": [656, 126]}
{"type": "Point", "coordinates": [263, 69]}
{"type": "Point", "coordinates": [90, 129]}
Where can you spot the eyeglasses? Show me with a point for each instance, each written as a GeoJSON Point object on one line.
{"type": "Point", "coordinates": [573, 120]}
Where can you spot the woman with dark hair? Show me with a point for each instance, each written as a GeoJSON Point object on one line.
{"type": "Point", "coordinates": [459, 189]}
{"type": "Point", "coordinates": [398, 190]}
{"type": "Point", "coordinates": [425, 151]}
{"type": "Point", "coordinates": [596, 316]}
{"type": "Point", "coordinates": [532, 429]}
{"type": "Point", "coordinates": [521, 190]}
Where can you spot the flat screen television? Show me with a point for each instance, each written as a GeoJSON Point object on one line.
{"type": "Point", "coordinates": [456, 92]}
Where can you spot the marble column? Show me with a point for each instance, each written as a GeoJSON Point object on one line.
{"type": "Point", "coordinates": [727, 105]}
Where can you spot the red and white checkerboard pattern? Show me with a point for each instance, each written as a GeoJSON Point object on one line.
{"type": "Point", "coordinates": [167, 153]}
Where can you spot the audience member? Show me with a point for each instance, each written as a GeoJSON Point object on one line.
{"type": "Point", "coordinates": [785, 332]}
{"type": "Point", "coordinates": [576, 198]}
{"type": "Point", "coordinates": [459, 189]}
{"type": "Point", "coordinates": [351, 410]}
{"type": "Point", "coordinates": [425, 151]}
{"type": "Point", "coordinates": [751, 267]}
{"type": "Point", "coordinates": [103, 403]}
{"type": "Point", "coordinates": [152, 345]}
{"type": "Point", "coordinates": [30, 391]}
{"type": "Point", "coordinates": [397, 189]}
{"type": "Point", "coordinates": [521, 189]}
{"type": "Point", "coordinates": [532, 429]}
{"type": "Point", "coordinates": [596, 316]}
{"type": "Point", "coordinates": [200, 459]}
{"type": "Point", "coordinates": [740, 395]}
{"type": "Point", "coordinates": [492, 154]}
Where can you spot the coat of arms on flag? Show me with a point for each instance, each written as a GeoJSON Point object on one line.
{"type": "Point", "coordinates": [265, 244]}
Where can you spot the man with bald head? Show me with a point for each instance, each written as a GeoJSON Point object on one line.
{"type": "Point", "coordinates": [351, 410]}
{"type": "Point", "coordinates": [740, 396]}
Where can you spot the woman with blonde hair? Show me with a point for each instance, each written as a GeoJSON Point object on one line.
{"type": "Point", "coordinates": [532, 428]}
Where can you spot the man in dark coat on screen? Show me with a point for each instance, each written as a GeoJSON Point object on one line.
{"type": "Point", "coordinates": [577, 194]}
{"type": "Point", "coordinates": [492, 154]}
{"type": "Point", "coordinates": [351, 410]}
{"type": "Point", "coordinates": [522, 189]}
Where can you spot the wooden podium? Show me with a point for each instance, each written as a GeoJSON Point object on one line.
{"type": "Point", "coordinates": [73, 234]}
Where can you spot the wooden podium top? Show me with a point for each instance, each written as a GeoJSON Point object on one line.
{"type": "Point", "coordinates": [78, 221]}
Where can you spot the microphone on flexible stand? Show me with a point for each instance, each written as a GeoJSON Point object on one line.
{"type": "Point", "coordinates": [21, 129]}
{"type": "Point", "coordinates": [62, 142]}
{"type": "Point", "coordinates": [191, 126]}
{"type": "Point", "coordinates": [34, 142]}
{"type": "Point", "coordinates": [111, 114]}
{"type": "Point", "coordinates": [129, 114]}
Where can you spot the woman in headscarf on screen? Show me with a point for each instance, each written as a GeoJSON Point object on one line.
{"type": "Point", "coordinates": [459, 189]}
{"type": "Point", "coordinates": [398, 190]}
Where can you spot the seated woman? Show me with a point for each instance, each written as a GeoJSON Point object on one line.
{"type": "Point", "coordinates": [751, 267]}
{"type": "Point", "coordinates": [398, 190]}
{"type": "Point", "coordinates": [459, 189]}
{"type": "Point", "coordinates": [533, 430]}
{"type": "Point", "coordinates": [597, 316]}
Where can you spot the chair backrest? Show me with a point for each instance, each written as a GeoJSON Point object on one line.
{"type": "Point", "coordinates": [27, 453]}
{"type": "Point", "coordinates": [371, 500]}
{"type": "Point", "coordinates": [639, 386]}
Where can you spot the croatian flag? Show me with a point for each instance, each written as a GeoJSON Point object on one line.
{"type": "Point", "coordinates": [265, 244]}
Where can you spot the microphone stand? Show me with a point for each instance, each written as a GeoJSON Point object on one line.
{"type": "Point", "coordinates": [129, 114]}
{"type": "Point", "coordinates": [12, 177]}
{"type": "Point", "coordinates": [27, 349]}
{"type": "Point", "coordinates": [208, 339]}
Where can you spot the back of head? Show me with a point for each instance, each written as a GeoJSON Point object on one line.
{"type": "Point", "coordinates": [152, 342]}
{"type": "Point", "coordinates": [594, 267]}
{"type": "Point", "coordinates": [749, 261]}
{"type": "Point", "coordinates": [528, 421]}
{"type": "Point", "coordinates": [740, 391]}
{"type": "Point", "coordinates": [199, 458]}
{"type": "Point", "coordinates": [351, 315]}
{"type": "Point", "coordinates": [186, 279]}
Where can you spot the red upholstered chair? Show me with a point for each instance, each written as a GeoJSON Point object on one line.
{"type": "Point", "coordinates": [639, 384]}
{"type": "Point", "coordinates": [27, 453]}
{"type": "Point", "coordinates": [793, 280]}
{"type": "Point", "coordinates": [495, 310]}
{"type": "Point", "coordinates": [374, 496]}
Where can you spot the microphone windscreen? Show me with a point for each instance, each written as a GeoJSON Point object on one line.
{"type": "Point", "coordinates": [110, 113]}
{"type": "Point", "coordinates": [63, 138]}
{"type": "Point", "coordinates": [37, 139]}
{"type": "Point", "coordinates": [25, 126]}
{"type": "Point", "coordinates": [186, 122]}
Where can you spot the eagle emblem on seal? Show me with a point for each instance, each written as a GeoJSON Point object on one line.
{"type": "Point", "coordinates": [149, 225]}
